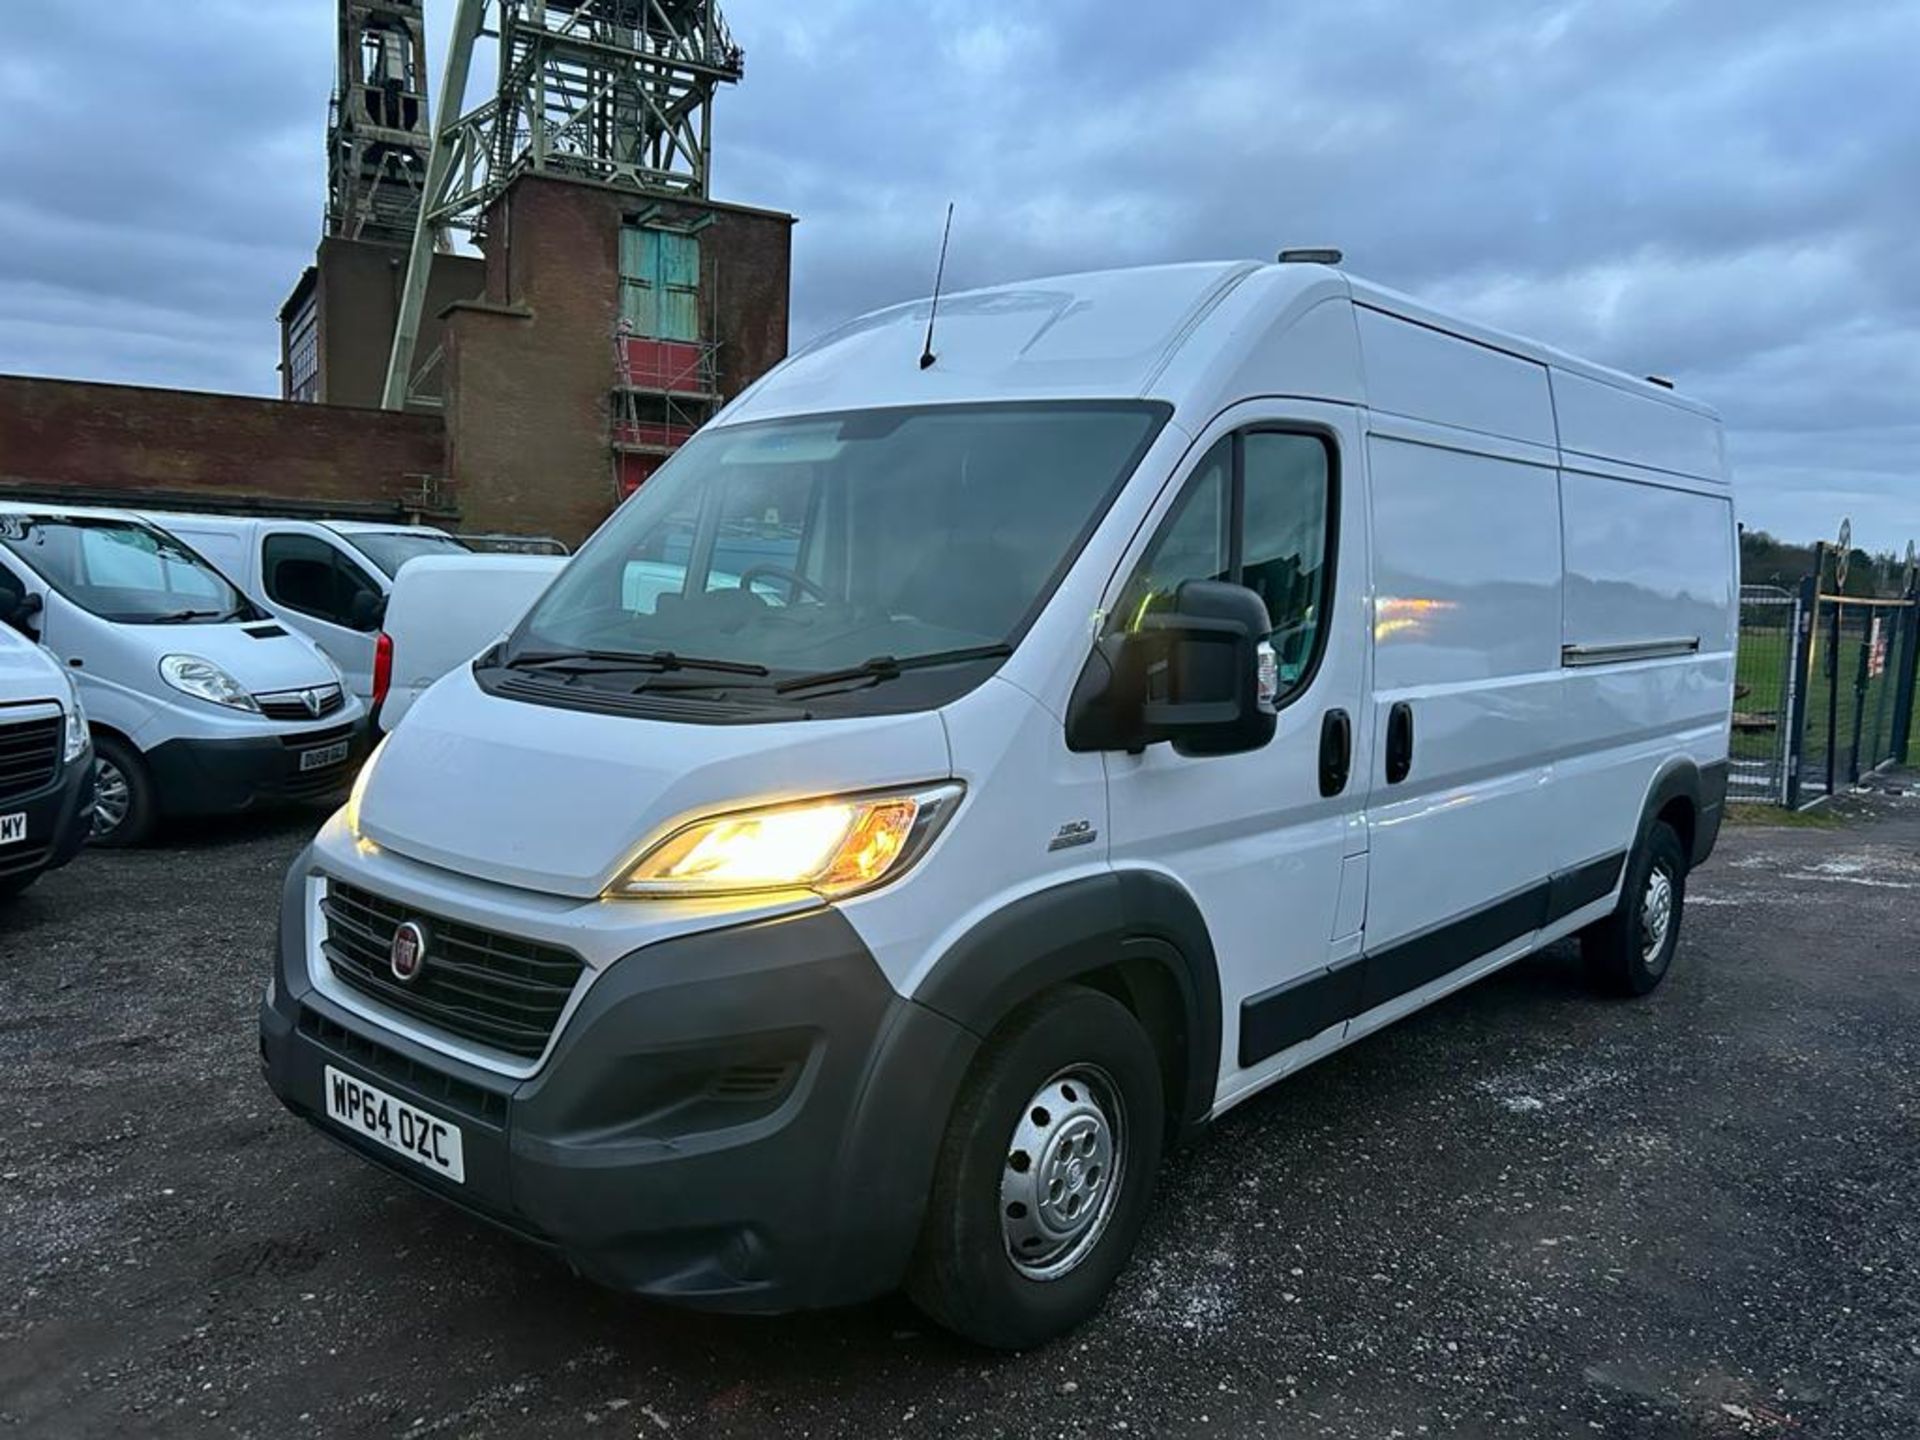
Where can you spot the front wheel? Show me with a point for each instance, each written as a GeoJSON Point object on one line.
{"type": "Point", "coordinates": [123, 803]}
{"type": "Point", "coordinates": [1044, 1175]}
{"type": "Point", "coordinates": [1630, 951]}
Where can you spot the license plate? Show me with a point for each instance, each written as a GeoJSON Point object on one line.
{"type": "Point", "coordinates": [323, 757]}
{"type": "Point", "coordinates": [371, 1112]}
{"type": "Point", "coordinates": [13, 828]}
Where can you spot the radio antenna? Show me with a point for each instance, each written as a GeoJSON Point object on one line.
{"type": "Point", "coordinates": [927, 356]}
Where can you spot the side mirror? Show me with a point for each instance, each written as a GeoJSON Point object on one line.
{"type": "Point", "coordinates": [18, 609]}
{"type": "Point", "coordinates": [1198, 675]}
{"type": "Point", "coordinates": [366, 610]}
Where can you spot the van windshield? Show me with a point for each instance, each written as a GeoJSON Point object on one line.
{"type": "Point", "coordinates": [800, 546]}
{"type": "Point", "coordinates": [123, 571]}
{"type": "Point", "coordinates": [390, 549]}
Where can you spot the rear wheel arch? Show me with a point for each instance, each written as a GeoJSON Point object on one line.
{"type": "Point", "coordinates": [1135, 935]}
{"type": "Point", "coordinates": [1675, 800]}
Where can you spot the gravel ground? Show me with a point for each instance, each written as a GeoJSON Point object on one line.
{"type": "Point", "coordinates": [1525, 1212]}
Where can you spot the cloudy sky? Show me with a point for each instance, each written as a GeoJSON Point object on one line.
{"type": "Point", "coordinates": [1724, 191]}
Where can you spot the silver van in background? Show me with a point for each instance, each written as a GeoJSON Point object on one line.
{"type": "Point", "coordinates": [199, 701]}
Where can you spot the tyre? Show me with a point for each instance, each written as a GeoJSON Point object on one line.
{"type": "Point", "coordinates": [123, 806]}
{"type": "Point", "coordinates": [1043, 1178]}
{"type": "Point", "coordinates": [1630, 952]}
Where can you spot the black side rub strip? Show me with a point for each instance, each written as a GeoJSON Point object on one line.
{"type": "Point", "coordinates": [1302, 1008]}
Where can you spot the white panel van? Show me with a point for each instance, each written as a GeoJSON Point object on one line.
{"type": "Point", "coordinates": [952, 779]}
{"type": "Point", "coordinates": [46, 765]}
{"type": "Point", "coordinates": [443, 611]}
{"type": "Point", "coordinates": [199, 702]}
{"type": "Point", "coordinates": [328, 579]}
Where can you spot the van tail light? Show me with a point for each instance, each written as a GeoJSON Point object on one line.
{"type": "Point", "coordinates": [382, 667]}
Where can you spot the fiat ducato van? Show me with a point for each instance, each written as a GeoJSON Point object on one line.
{"type": "Point", "coordinates": [969, 767]}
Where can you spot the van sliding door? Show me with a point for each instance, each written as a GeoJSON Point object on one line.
{"type": "Point", "coordinates": [1466, 688]}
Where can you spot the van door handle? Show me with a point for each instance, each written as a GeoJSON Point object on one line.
{"type": "Point", "coordinates": [1336, 752]}
{"type": "Point", "coordinates": [1399, 742]}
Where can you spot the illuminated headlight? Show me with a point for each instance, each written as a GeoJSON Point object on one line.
{"type": "Point", "coordinates": [204, 680]}
{"type": "Point", "coordinates": [832, 847]}
{"type": "Point", "coordinates": [77, 736]}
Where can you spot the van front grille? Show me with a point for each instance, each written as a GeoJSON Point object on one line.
{"type": "Point", "coordinates": [314, 704]}
{"type": "Point", "coordinates": [29, 755]}
{"type": "Point", "coordinates": [494, 990]}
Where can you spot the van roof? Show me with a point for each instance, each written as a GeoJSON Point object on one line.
{"type": "Point", "coordinates": [1108, 334]}
{"type": "Point", "coordinates": [62, 512]}
{"type": "Point", "coordinates": [239, 522]}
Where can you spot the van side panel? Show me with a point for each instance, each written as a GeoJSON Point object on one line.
{"type": "Point", "coordinates": [1467, 634]}
{"type": "Point", "coordinates": [1646, 564]}
{"type": "Point", "coordinates": [1425, 374]}
{"type": "Point", "coordinates": [222, 548]}
{"type": "Point", "coordinates": [1609, 422]}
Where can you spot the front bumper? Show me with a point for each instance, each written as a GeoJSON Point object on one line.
{"type": "Point", "coordinates": [58, 820]}
{"type": "Point", "coordinates": [220, 777]}
{"type": "Point", "coordinates": [744, 1118]}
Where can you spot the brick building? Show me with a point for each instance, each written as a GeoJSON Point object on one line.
{"type": "Point", "coordinates": [613, 307]}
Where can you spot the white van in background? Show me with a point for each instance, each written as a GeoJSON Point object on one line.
{"type": "Point", "coordinates": [46, 765]}
{"type": "Point", "coordinates": [328, 579]}
{"type": "Point", "coordinates": [951, 779]}
{"type": "Point", "coordinates": [444, 611]}
{"type": "Point", "coordinates": [200, 703]}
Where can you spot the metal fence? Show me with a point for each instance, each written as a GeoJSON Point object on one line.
{"type": "Point", "coordinates": [1823, 694]}
{"type": "Point", "coordinates": [1859, 681]}
{"type": "Point", "coordinates": [1763, 691]}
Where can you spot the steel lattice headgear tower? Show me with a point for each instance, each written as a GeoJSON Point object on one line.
{"type": "Point", "coordinates": [378, 138]}
{"type": "Point", "coordinates": [612, 92]}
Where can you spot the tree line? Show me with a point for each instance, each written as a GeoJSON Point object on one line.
{"type": "Point", "coordinates": [1768, 560]}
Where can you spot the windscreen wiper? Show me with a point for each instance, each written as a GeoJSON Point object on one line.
{"type": "Point", "coordinates": [177, 616]}
{"type": "Point", "coordinates": [612, 662]}
{"type": "Point", "coordinates": [889, 667]}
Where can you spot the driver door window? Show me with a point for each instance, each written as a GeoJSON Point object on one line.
{"type": "Point", "coordinates": [1193, 543]}
{"type": "Point", "coordinates": [1257, 512]}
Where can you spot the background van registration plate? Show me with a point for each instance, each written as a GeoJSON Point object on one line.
{"type": "Point", "coordinates": [422, 1138]}
{"type": "Point", "coordinates": [13, 828]}
{"type": "Point", "coordinates": [326, 755]}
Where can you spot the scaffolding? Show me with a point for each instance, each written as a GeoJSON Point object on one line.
{"type": "Point", "coordinates": [664, 391]}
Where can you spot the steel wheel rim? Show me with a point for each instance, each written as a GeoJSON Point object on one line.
{"type": "Point", "coordinates": [1061, 1178]}
{"type": "Point", "coordinates": [1656, 917]}
{"type": "Point", "coordinates": [112, 798]}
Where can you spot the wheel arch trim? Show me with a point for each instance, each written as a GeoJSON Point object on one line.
{"type": "Point", "coordinates": [1703, 787]}
{"type": "Point", "coordinates": [1095, 923]}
